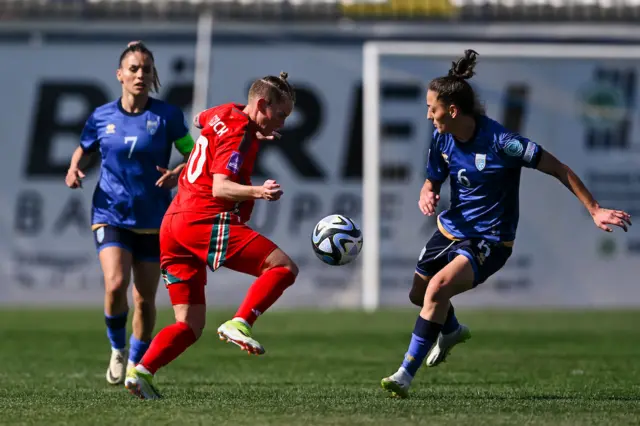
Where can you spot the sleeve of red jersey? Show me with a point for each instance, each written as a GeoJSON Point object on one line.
{"type": "Point", "coordinates": [228, 156]}
{"type": "Point", "coordinates": [200, 120]}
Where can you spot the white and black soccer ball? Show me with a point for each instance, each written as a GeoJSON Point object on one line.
{"type": "Point", "coordinates": [336, 240]}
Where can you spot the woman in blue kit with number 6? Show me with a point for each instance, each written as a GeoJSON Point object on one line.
{"type": "Point", "coordinates": [134, 136]}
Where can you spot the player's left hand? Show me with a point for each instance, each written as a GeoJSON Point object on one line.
{"type": "Point", "coordinates": [271, 190]}
{"type": "Point", "coordinates": [272, 136]}
{"type": "Point", "coordinates": [169, 178]}
{"type": "Point", "coordinates": [603, 217]}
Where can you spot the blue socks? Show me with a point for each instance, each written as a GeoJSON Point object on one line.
{"type": "Point", "coordinates": [424, 336]}
{"type": "Point", "coordinates": [117, 329]}
{"type": "Point", "coordinates": [117, 333]}
{"type": "Point", "coordinates": [451, 324]}
{"type": "Point", "coordinates": [137, 348]}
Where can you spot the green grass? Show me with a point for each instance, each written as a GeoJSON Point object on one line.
{"type": "Point", "coordinates": [322, 368]}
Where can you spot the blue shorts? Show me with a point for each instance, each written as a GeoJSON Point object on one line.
{"type": "Point", "coordinates": [143, 247]}
{"type": "Point", "coordinates": [486, 257]}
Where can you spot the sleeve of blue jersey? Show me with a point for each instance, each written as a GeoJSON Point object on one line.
{"type": "Point", "coordinates": [437, 168]}
{"type": "Point", "coordinates": [518, 150]}
{"type": "Point", "coordinates": [176, 125]}
{"type": "Point", "coordinates": [89, 136]}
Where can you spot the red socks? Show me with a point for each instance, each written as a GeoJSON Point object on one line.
{"type": "Point", "coordinates": [172, 340]}
{"type": "Point", "coordinates": [264, 292]}
{"type": "Point", "coordinates": [168, 344]}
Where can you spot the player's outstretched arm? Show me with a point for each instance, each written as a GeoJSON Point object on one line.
{"type": "Point", "coordinates": [169, 178]}
{"type": "Point", "coordinates": [602, 217]}
{"type": "Point", "coordinates": [74, 174]}
{"type": "Point", "coordinates": [225, 188]}
{"type": "Point", "coordinates": [429, 197]}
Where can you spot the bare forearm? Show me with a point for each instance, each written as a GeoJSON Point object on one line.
{"type": "Point", "coordinates": [553, 167]}
{"type": "Point", "coordinates": [76, 157]}
{"type": "Point", "coordinates": [432, 186]}
{"type": "Point", "coordinates": [573, 183]}
{"type": "Point", "coordinates": [229, 190]}
{"type": "Point", "coordinates": [180, 166]}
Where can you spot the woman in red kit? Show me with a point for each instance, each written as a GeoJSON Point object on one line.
{"type": "Point", "coordinates": [205, 227]}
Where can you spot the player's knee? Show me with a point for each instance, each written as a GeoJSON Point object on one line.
{"type": "Point", "coordinates": [280, 260]}
{"type": "Point", "coordinates": [193, 315]}
{"type": "Point", "coordinates": [196, 324]}
{"type": "Point", "coordinates": [292, 267]}
{"type": "Point", "coordinates": [143, 303]}
{"type": "Point", "coordinates": [144, 293]}
{"type": "Point", "coordinates": [115, 284]}
{"type": "Point", "coordinates": [416, 296]}
{"type": "Point", "coordinates": [418, 290]}
{"type": "Point", "coordinates": [197, 327]}
{"type": "Point", "coordinates": [437, 290]}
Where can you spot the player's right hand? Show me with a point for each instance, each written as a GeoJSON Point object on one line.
{"type": "Point", "coordinates": [428, 202]}
{"type": "Point", "coordinates": [270, 190]}
{"type": "Point", "coordinates": [74, 178]}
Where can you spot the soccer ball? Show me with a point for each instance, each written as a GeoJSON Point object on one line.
{"type": "Point", "coordinates": [336, 240]}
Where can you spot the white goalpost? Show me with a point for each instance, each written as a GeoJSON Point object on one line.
{"type": "Point", "coordinates": [372, 52]}
{"type": "Point", "coordinates": [201, 77]}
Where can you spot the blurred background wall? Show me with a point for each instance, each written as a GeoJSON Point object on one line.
{"type": "Point", "coordinates": [58, 63]}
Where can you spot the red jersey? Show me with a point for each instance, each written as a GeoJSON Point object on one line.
{"type": "Point", "coordinates": [227, 145]}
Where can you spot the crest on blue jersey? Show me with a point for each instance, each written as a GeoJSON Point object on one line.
{"type": "Point", "coordinates": [513, 148]}
{"type": "Point", "coordinates": [152, 126]}
{"type": "Point", "coordinates": [481, 161]}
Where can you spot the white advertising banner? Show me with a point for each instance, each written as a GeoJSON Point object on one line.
{"type": "Point", "coordinates": [584, 111]}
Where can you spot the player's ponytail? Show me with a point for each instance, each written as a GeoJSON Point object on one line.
{"type": "Point", "coordinates": [138, 46]}
{"type": "Point", "coordinates": [287, 87]}
{"type": "Point", "coordinates": [454, 88]}
{"type": "Point", "coordinates": [463, 67]}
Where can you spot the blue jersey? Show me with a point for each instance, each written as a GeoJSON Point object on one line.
{"type": "Point", "coordinates": [131, 146]}
{"type": "Point", "coordinates": [485, 180]}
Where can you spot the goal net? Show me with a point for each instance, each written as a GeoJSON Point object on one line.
{"type": "Point", "coordinates": [575, 100]}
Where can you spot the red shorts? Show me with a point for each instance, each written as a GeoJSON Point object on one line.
{"type": "Point", "coordinates": [189, 243]}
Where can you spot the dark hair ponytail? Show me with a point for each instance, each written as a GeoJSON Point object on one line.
{"type": "Point", "coordinates": [138, 46]}
{"type": "Point", "coordinates": [463, 67]}
{"type": "Point", "coordinates": [454, 89]}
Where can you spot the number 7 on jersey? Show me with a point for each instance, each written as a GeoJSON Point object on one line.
{"type": "Point", "coordinates": [133, 140]}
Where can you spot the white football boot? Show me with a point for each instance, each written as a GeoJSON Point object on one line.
{"type": "Point", "coordinates": [398, 383]}
{"type": "Point", "coordinates": [445, 343]}
{"type": "Point", "coordinates": [117, 367]}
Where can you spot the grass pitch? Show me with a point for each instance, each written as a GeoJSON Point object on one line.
{"type": "Point", "coordinates": [324, 368]}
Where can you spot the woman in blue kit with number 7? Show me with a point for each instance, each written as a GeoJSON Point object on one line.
{"type": "Point", "coordinates": [134, 135]}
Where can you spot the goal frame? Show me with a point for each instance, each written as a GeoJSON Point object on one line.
{"type": "Point", "coordinates": [372, 51]}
